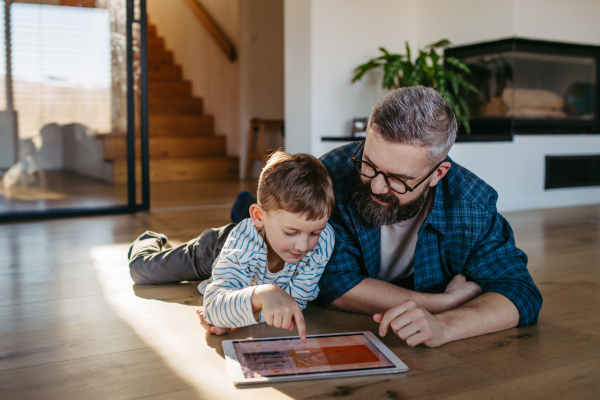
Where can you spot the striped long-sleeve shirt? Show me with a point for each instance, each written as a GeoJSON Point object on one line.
{"type": "Point", "coordinates": [242, 265]}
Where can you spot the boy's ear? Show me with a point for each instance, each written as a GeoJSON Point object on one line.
{"type": "Point", "coordinates": [257, 213]}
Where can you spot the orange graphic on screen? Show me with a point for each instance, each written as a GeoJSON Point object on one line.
{"type": "Point", "coordinates": [358, 354]}
{"type": "Point", "coordinates": [339, 355]}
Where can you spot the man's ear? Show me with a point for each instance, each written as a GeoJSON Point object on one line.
{"type": "Point", "coordinates": [257, 213]}
{"type": "Point", "coordinates": [439, 173]}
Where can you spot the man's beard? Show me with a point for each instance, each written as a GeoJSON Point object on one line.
{"type": "Point", "coordinates": [378, 214]}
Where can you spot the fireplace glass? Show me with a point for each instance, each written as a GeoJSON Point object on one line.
{"type": "Point", "coordinates": [528, 86]}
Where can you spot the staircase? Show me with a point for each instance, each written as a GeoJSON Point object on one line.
{"type": "Point", "coordinates": [182, 141]}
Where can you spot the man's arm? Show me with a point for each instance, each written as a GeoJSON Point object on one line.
{"type": "Point", "coordinates": [510, 297]}
{"type": "Point", "coordinates": [490, 312]}
{"type": "Point", "coordinates": [373, 296]}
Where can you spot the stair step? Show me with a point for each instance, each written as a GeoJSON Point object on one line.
{"type": "Point", "coordinates": [181, 125]}
{"type": "Point", "coordinates": [167, 88]}
{"type": "Point", "coordinates": [155, 42]}
{"type": "Point", "coordinates": [175, 105]}
{"type": "Point", "coordinates": [115, 147]}
{"type": "Point", "coordinates": [151, 31]}
{"type": "Point", "coordinates": [182, 169]}
{"type": "Point", "coordinates": [157, 58]}
{"type": "Point", "coordinates": [164, 72]}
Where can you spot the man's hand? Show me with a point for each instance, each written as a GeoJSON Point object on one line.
{"type": "Point", "coordinates": [210, 328]}
{"type": "Point", "coordinates": [459, 291]}
{"type": "Point", "coordinates": [413, 324]}
{"type": "Point", "coordinates": [278, 308]}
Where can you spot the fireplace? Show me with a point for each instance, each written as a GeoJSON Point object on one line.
{"type": "Point", "coordinates": [532, 87]}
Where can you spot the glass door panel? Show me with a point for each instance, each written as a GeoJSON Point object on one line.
{"type": "Point", "coordinates": [64, 106]}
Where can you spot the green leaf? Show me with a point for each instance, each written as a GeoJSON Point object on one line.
{"type": "Point", "coordinates": [466, 84]}
{"type": "Point", "coordinates": [434, 56]}
{"type": "Point", "coordinates": [384, 51]}
{"type": "Point", "coordinates": [362, 69]}
{"type": "Point", "coordinates": [458, 64]}
{"type": "Point", "coordinates": [464, 106]}
{"type": "Point", "coordinates": [467, 126]}
{"type": "Point", "coordinates": [440, 77]}
{"type": "Point", "coordinates": [430, 69]}
{"type": "Point", "coordinates": [391, 70]}
{"type": "Point", "coordinates": [441, 43]}
{"type": "Point", "coordinates": [415, 78]}
{"type": "Point", "coordinates": [407, 71]}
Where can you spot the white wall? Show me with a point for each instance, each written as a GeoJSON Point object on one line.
{"type": "Point", "coordinates": [517, 169]}
{"type": "Point", "coordinates": [261, 68]}
{"type": "Point", "coordinates": [470, 21]}
{"type": "Point", "coordinates": [559, 20]}
{"type": "Point", "coordinates": [464, 21]}
{"type": "Point", "coordinates": [298, 71]}
{"type": "Point", "coordinates": [325, 41]}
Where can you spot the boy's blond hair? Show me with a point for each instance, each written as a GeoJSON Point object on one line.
{"type": "Point", "coordinates": [296, 183]}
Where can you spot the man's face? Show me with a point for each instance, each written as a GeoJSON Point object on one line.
{"type": "Point", "coordinates": [376, 202]}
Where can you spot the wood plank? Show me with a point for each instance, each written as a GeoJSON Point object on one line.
{"type": "Point", "coordinates": [155, 42]}
{"type": "Point", "coordinates": [160, 57]}
{"type": "Point", "coordinates": [173, 88]}
{"type": "Point", "coordinates": [183, 169]}
{"type": "Point", "coordinates": [211, 26]}
{"type": "Point", "coordinates": [175, 105]}
{"type": "Point", "coordinates": [182, 125]}
{"type": "Point", "coordinates": [164, 73]}
{"type": "Point", "coordinates": [115, 148]}
{"type": "Point", "coordinates": [151, 30]}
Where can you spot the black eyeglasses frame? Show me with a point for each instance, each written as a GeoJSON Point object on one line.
{"type": "Point", "coordinates": [385, 176]}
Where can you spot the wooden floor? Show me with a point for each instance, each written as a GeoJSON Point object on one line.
{"type": "Point", "coordinates": [73, 325]}
{"type": "Point", "coordinates": [63, 189]}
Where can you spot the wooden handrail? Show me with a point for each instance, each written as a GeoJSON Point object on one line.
{"type": "Point", "coordinates": [213, 29]}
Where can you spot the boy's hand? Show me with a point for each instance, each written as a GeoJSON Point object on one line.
{"type": "Point", "coordinates": [210, 328]}
{"type": "Point", "coordinates": [460, 291]}
{"type": "Point", "coordinates": [279, 308]}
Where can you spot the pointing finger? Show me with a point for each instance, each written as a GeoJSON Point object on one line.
{"type": "Point", "coordinates": [301, 324]}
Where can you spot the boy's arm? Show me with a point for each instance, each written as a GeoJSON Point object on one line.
{"type": "Point", "coordinates": [228, 298]}
{"type": "Point", "coordinates": [304, 285]}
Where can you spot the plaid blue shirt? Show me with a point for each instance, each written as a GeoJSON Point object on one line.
{"type": "Point", "coordinates": [463, 233]}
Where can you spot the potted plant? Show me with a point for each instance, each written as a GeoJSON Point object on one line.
{"type": "Point", "coordinates": [444, 74]}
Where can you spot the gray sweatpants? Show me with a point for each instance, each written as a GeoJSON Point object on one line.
{"type": "Point", "coordinates": [191, 261]}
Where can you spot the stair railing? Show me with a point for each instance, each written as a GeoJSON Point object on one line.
{"type": "Point", "coordinates": [213, 29]}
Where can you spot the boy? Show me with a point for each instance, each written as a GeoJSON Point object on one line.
{"type": "Point", "coordinates": [267, 267]}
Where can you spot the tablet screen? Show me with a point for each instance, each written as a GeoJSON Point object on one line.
{"type": "Point", "coordinates": [327, 353]}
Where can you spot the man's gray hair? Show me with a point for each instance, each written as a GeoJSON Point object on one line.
{"type": "Point", "coordinates": [417, 116]}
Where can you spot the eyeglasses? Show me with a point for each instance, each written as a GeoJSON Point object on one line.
{"type": "Point", "coordinates": [394, 182]}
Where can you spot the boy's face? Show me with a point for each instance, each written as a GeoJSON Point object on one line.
{"type": "Point", "coordinates": [291, 236]}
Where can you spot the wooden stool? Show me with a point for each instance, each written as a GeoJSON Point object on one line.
{"type": "Point", "coordinates": [259, 126]}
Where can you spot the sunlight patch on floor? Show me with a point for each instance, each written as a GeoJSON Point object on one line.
{"type": "Point", "coordinates": [164, 318]}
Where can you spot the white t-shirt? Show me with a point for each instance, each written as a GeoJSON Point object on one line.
{"type": "Point", "coordinates": [398, 243]}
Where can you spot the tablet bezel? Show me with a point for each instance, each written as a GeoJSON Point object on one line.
{"type": "Point", "coordinates": [237, 375]}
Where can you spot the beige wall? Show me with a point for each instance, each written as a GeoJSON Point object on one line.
{"type": "Point", "coordinates": [261, 69]}
{"type": "Point", "coordinates": [213, 76]}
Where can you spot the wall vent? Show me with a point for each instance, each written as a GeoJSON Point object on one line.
{"type": "Point", "coordinates": [572, 171]}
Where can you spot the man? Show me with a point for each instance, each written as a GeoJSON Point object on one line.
{"type": "Point", "coordinates": [419, 242]}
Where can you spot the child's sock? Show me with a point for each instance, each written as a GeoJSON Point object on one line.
{"type": "Point", "coordinates": [241, 208]}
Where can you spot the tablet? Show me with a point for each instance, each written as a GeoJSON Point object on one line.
{"type": "Point", "coordinates": [318, 356]}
